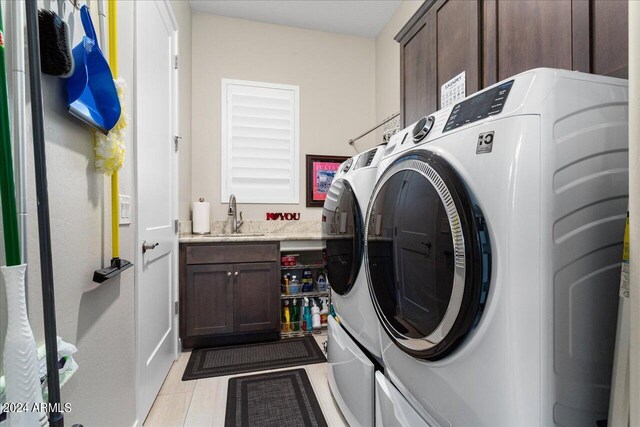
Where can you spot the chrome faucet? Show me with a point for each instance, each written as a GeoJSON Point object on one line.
{"type": "Point", "coordinates": [233, 212]}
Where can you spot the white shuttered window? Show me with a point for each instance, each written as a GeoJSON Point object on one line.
{"type": "Point", "coordinates": [260, 140]}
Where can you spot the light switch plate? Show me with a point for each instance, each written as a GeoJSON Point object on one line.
{"type": "Point", "coordinates": [125, 209]}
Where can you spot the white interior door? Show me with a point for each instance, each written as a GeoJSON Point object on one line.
{"type": "Point", "coordinates": [156, 176]}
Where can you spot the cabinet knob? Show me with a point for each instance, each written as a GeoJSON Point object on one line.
{"type": "Point", "coordinates": [228, 274]}
{"type": "Point", "coordinates": [236, 273]}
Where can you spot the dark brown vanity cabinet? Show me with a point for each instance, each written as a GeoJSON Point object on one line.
{"type": "Point", "coordinates": [229, 293]}
{"type": "Point", "coordinates": [492, 40]}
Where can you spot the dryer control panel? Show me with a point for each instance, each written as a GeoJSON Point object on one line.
{"type": "Point", "coordinates": [485, 104]}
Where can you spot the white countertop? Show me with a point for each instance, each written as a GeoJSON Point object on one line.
{"type": "Point", "coordinates": [240, 237]}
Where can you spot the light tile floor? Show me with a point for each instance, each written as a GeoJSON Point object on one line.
{"type": "Point", "coordinates": [202, 403]}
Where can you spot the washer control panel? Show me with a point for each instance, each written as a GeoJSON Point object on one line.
{"type": "Point", "coordinates": [488, 103]}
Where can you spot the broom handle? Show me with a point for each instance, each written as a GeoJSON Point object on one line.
{"type": "Point", "coordinates": [7, 187]}
{"type": "Point", "coordinates": [46, 265]}
{"type": "Point", "coordinates": [115, 181]}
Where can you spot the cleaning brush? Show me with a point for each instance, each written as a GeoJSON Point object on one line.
{"type": "Point", "coordinates": [55, 43]}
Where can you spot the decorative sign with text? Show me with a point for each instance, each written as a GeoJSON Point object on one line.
{"type": "Point", "coordinates": [279, 216]}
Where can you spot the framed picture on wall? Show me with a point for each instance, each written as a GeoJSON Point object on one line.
{"type": "Point", "coordinates": [320, 173]}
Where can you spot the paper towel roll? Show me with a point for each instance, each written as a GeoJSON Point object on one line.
{"type": "Point", "coordinates": [201, 217]}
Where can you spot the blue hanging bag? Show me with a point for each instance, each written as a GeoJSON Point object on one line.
{"type": "Point", "coordinates": [91, 91]}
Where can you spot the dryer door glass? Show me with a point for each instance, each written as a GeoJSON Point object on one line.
{"type": "Point", "coordinates": [425, 256]}
{"type": "Point", "coordinates": [343, 229]}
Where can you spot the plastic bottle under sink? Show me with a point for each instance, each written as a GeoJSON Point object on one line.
{"type": "Point", "coordinates": [294, 286]}
{"type": "Point", "coordinates": [286, 317]}
{"type": "Point", "coordinates": [324, 313]}
{"type": "Point", "coordinates": [321, 283]}
{"type": "Point", "coordinates": [308, 326]}
{"type": "Point", "coordinates": [315, 315]}
{"type": "Point", "coordinates": [295, 315]}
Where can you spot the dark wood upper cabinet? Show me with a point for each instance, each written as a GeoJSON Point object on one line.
{"type": "Point", "coordinates": [442, 41]}
{"type": "Point", "coordinates": [609, 32]}
{"type": "Point", "coordinates": [457, 24]}
{"type": "Point", "coordinates": [492, 40]}
{"type": "Point", "coordinates": [418, 72]}
{"type": "Point", "coordinates": [529, 34]}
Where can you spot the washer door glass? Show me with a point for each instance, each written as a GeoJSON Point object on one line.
{"type": "Point", "coordinates": [343, 230]}
{"type": "Point", "coordinates": [425, 256]}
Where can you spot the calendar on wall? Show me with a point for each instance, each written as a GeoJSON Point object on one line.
{"type": "Point", "coordinates": [453, 91]}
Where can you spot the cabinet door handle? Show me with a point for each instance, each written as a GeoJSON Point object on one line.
{"type": "Point", "coordinates": [228, 274]}
{"type": "Point", "coordinates": [236, 273]}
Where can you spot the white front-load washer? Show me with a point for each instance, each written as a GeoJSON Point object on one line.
{"type": "Point", "coordinates": [493, 249]}
{"type": "Point", "coordinates": [353, 347]}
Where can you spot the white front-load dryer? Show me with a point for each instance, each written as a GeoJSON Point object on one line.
{"type": "Point", "coordinates": [493, 246]}
{"type": "Point", "coordinates": [353, 346]}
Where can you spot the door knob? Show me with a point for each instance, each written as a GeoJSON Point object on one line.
{"type": "Point", "coordinates": [148, 246]}
{"type": "Point", "coordinates": [228, 274]}
{"type": "Point", "coordinates": [236, 273]}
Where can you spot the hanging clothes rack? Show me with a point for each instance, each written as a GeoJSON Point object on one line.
{"type": "Point", "coordinates": [388, 119]}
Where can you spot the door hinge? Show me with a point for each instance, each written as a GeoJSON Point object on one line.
{"type": "Point", "coordinates": [176, 141]}
{"type": "Point", "coordinates": [176, 226]}
{"type": "Point", "coordinates": [175, 62]}
{"type": "Point", "coordinates": [176, 308]}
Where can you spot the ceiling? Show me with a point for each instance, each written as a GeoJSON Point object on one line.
{"type": "Point", "coordinates": [364, 18]}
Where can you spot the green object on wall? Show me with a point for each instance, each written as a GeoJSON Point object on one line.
{"type": "Point", "coordinates": [7, 188]}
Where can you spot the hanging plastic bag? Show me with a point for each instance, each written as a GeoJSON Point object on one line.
{"type": "Point", "coordinates": [91, 92]}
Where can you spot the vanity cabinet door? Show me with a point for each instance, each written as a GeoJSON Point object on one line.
{"type": "Point", "coordinates": [256, 297]}
{"type": "Point", "coordinates": [209, 299]}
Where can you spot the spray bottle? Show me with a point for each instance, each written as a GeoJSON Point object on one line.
{"type": "Point", "coordinates": [324, 312]}
{"type": "Point", "coordinates": [315, 315]}
{"type": "Point", "coordinates": [295, 315]}
{"type": "Point", "coordinates": [286, 319]}
{"type": "Point", "coordinates": [308, 324]}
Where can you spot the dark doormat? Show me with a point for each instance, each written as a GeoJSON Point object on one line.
{"type": "Point", "coordinates": [283, 399]}
{"type": "Point", "coordinates": [237, 359]}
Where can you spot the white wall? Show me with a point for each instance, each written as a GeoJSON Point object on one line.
{"type": "Point", "coordinates": [98, 319]}
{"type": "Point", "coordinates": [182, 10]}
{"type": "Point", "coordinates": [337, 102]}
